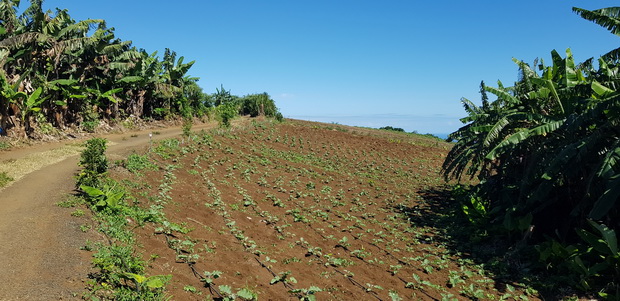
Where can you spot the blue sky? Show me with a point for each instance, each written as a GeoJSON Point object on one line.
{"type": "Point", "coordinates": [402, 63]}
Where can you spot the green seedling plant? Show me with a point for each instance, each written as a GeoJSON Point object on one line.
{"type": "Point", "coordinates": [210, 277]}
{"type": "Point", "coordinates": [244, 294]}
{"type": "Point", "coordinates": [283, 277]}
{"type": "Point", "coordinates": [143, 282]}
{"type": "Point", "coordinates": [306, 294]}
{"type": "Point", "coordinates": [108, 197]}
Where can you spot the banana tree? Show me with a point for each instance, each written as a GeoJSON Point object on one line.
{"type": "Point", "coordinates": [27, 105]}
{"type": "Point", "coordinates": [521, 145]}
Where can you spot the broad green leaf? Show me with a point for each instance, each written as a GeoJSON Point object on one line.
{"type": "Point", "coordinates": [607, 200]}
{"type": "Point", "coordinates": [571, 76]}
{"type": "Point", "coordinates": [502, 94]}
{"type": "Point", "coordinates": [593, 241]}
{"type": "Point", "coordinates": [21, 95]}
{"type": "Point", "coordinates": [246, 294]}
{"type": "Point", "coordinates": [547, 128]}
{"type": "Point", "coordinates": [549, 84]}
{"type": "Point", "coordinates": [138, 278]}
{"type": "Point", "coordinates": [511, 140]}
{"type": "Point", "coordinates": [114, 199]}
{"type": "Point", "coordinates": [33, 99]}
{"type": "Point", "coordinates": [600, 90]}
{"type": "Point", "coordinates": [91, 191]}
{"type": "Point", "coordinates": [63, 82]}
{"type": "Point", "coordinates": [130, 79]}
{"type": "Point", "coordinates": [155, 282]}
{"type": "Point", "coordinates": [609, 237]}
{"type": "Point", "coordinates": [110, 92]}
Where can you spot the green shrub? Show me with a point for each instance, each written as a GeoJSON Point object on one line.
{"type": "Point", "coordinates": [91, 121]}
{"type": "Point", "coordinates": [93, 162]}
{"type": "Point", "coordinates": [226, 113]}
{"type": "Point", "coordinates": [187, 126]}
{"type": "Point", "coordinates": [259, 105]}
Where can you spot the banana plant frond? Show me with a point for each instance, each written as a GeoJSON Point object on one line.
{"type": "Point", "coordinates": [21, 40]}
{"type": "Point", "coordinates": [608, 18]}
{"type": "Point", "coordinates": [80, 28]}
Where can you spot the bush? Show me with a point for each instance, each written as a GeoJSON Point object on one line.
{"type": "Point", "coordinates": [226, 113]}
{"type": "Point", "coordinates": [389, 128]}
{"type": "Point", "coordinates": [93, 162]}
{"type": "Point", "coordinates": [259, 105]}
{"type": "Point", "coordinates": [187, 126]}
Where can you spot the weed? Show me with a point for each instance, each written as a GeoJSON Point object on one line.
{"type": "Point", "coordinates": [4, 179]}
{"type": "Point", "coordinates": [135, 163]}
{"type": "Point", "coordinates": [190, 288]}
{"type": "Point", "coordinates": [77, 213]}
{"type": "Point", "coordinates": [5, 145]}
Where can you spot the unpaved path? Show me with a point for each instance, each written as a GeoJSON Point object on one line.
{"type": "Point", "coordinates": [40, 256]}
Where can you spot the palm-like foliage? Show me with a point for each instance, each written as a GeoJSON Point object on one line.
{"type": "Point", "coordinates": [84, 72]}
{"type": "Point", "coordinates": [521, 144]}
{"type": "Point", "coordinates": [547, 150]}
{"type": "Point", "coordinates": [606, 17]}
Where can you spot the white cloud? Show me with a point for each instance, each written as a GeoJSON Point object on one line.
{"type": "Point", "coordinates": [286, 96]}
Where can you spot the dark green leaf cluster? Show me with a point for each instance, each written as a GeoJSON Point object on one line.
{"type": "Point", "coordinates": [546, 153]}
{"type": "Point", "coordinates": [259, 105]}
{"type": "Point", "coordinates": [390, 128]}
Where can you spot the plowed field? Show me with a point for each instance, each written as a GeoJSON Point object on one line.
{"type": "Point", "coordinates": [298, 210]}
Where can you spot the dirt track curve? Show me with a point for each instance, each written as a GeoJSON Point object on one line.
{"type": "Point", "coordinates": [40, 256]}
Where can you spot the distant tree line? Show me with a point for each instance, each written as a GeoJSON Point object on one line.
{"type": "Point", "coordinates": [390, 128]}
{"type": "Point", "coordinates": [56, 72]}
{"type": "Point", "coordinates": [401, 130]}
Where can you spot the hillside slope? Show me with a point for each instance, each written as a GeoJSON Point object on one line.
{"type": "Point", "coordinates": [301, 209]}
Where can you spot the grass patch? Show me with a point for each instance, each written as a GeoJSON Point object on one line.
{"type": "Point", "coordinates": [4, 179]}
{"type": "Point", "coordinates": [5, 145]}
{"type": "Point", "coordinates": [17, 169]}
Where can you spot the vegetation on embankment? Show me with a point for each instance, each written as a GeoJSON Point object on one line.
{"type": "Point", "coordinates": [58, 74]}
{"type": "Point", "coordinates": [546, 153]}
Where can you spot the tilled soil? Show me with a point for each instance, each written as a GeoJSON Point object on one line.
{"type": "Point", "coordinates": [341, 210]}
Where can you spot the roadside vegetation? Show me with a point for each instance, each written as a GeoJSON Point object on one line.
{"type": "Point", "coordinates": [119, 268]}
{"type": "Point", "coordinates": [546, 154]}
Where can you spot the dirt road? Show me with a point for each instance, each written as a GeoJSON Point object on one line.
{"type": "Point", "coordinates": [40, 256]}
